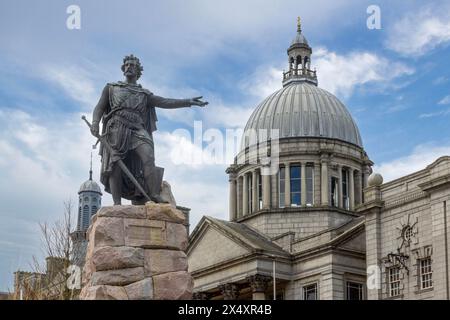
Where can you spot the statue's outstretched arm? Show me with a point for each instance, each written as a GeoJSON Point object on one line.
{"type": "Point", "coordinates": [167, 103]}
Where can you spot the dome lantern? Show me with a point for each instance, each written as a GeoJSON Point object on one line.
{"type": "Point", "coordinates": [299, 60]}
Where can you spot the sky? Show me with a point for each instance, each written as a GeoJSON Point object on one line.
{"type": "Point", "coordinates": [394, 80]}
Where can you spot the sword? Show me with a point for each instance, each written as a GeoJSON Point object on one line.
{"type": "Point", "coordinates": [122, 165]}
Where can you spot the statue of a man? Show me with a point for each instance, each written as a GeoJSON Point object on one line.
{"type": "Point", "coordinates": [129, 118]}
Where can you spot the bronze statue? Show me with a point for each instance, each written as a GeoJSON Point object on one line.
{"type": "Point", "coordinates": [126, 144]}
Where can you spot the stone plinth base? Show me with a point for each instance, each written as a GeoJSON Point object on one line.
{"type": "Point", "coordinates": [137, 253]}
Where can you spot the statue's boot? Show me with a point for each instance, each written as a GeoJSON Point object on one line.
{"type": "Point", "coordinates": [155, 182]}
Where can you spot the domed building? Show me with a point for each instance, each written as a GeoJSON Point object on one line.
{"type": "Point", "coordinates": [89, 201]}
{"type": "Point", "coordinates": [307, 218]}
{"type": "Point", "coordinates": [294, 187]}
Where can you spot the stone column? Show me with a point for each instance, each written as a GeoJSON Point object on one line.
{"type": "Point", "coordinates": [287, 185]}
{"type": "Point", "coordinates": [245, 195]}
{"type": "Point", "coordinates": [324, 182]}
{"type": "Point", "coordinates": [230, 291]}
{"type": "Point", "coordinates": [232, 203]}
{"type": "Point", "coordinates": [366, 172]}
{"type": "Point", "coordinates": [238, 198]}
{"type": "Point", "coordinates": [340, 191]}
{"type": "Point", "coordinates": [303, 183]}
{"type": "Point", "coordinates": [351, 188]}
{"type": "Point", "coordinates": [266, 191]}
{"type": "Point", "coordinates": [358, 188]}
{"type": "Point", "coordinates": [259, 285]}
{"type": "Point", "coordinates": [255, 191]}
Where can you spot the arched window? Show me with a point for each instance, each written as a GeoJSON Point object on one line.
{"type": "Point", "coordinates": [93, 210]}
{"type": "Point", "coordinates": [305, 62]}
{"type": "Point", "coordinates": [298, 62]}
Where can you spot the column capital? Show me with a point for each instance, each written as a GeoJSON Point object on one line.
{"type": "Point", "coordinates": [366, 169]}
{"type": "Point", "coordinates": [230, 291]}
{"type": "Point", "coordinates": [259, 282]}
{"type": "Point", "coordinates": [231, 169]}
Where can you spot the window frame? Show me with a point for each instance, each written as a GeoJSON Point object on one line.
{"type": "Point", "coordinates": [422, 274]}
{"type": "Point", "coordinates": [334, 202]}
{"type": "Point", "coordinates": [345, 189]}
{"type": "Point", "coordinates": [281, 186]}
{"type": "Point", "coordinates": [391, 282]}
{"type": "Point", "coordinates": [304, 290]}
{"type": "Point", "coordinates": [260, 191]}
{"type": "Point", "coordinates": [297, 181]}
{"type": "Point", "coordinates": [361, 293]}
{"type": "Point", "coordinates": [309, 192]}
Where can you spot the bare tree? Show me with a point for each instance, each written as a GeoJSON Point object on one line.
{"type": "Point", "coordinates": [48, 281]}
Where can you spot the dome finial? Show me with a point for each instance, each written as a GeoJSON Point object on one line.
{"type": "Point", "coordinates": [90, 170]}
{"type": "Point", "coordinates": [299, 25]}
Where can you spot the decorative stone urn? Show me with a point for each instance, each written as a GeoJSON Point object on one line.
{"type": "Point", "coordinates": [137, 253]}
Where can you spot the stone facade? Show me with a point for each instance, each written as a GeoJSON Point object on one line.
{"type": "Point", "coordinates": [137, 253]}
{"type": "Point", "coordinates": [407, 230]}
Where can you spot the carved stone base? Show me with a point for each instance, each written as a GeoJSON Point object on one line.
{"type": "Point", "coordinates": [137, 253]}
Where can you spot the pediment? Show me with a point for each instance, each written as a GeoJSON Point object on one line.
{"type": "Point", "coordinates": [355, 243]}
{"type": "Point", "coordinates": [213, 247]}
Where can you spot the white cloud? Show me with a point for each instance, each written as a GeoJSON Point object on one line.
{"type": "Point", "coordinates": [340, 74]}
{"type": "Point", "coordinates": [42, 164]}
{"type": "Point", "coordinates": [440, 80]}
{"type": "Point", "coordinates": [435, 114]}
{"type": "Point", "coordinates": [445, 100]}
{"type": "Point", "coordinates": [422, 156]}
{"type": "Point", "coordinates": [227, 116]}
{"type": "Point", "coordinates": [75, 81]}
{"type": "Point", "coordinates": [263, 82]}
{"type": "Point", "coordinates": [418, 33]}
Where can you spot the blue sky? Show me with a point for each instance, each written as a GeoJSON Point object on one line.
{"type": "Point", "coordinates": [395, 81]}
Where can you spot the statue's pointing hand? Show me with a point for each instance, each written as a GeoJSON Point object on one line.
{"type": "Point", "coordinates": [197, 102]}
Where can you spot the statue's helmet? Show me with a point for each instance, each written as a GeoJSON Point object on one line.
{"type": "Point", "coordinates": [139, 67]}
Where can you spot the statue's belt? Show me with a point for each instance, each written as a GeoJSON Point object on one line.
{"type": "Point", "coordinates": [130, 124]}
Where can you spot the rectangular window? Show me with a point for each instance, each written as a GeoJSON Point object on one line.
{"type": "Point", "coordinates": [281, 177]}
{"type": "Point", "coordinates": [309, 185]}
{"type": "Point", "coordinates": [354, 291]}
{"type": "Point", "coordinates": [394, 281]}
{"type": "Point", "coordinates": [345, 189]}
{"type": "Point", "coordinates": [310, 292]}
{"type": "Point", "coordinates": [334, 191]}
{"type": "Point", "coordinates": [296, 181]}
{"type": "Point", "coordinates": [426, 280]}
{"type": "Point", "coordinates": [250, 193]}
{"type": "Point", "coordinates": [259, 190]}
